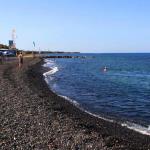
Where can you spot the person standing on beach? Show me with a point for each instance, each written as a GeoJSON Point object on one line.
{"type": "Point", "coordinates": [20, 58]}
{"type": "Point", "coordinates": [0, 58]}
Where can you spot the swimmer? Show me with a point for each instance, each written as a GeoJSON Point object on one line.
{"type": "Point", "coordinates": [105, 69]}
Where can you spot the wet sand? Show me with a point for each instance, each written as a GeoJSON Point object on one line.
{"type": "Point", "coordinates": [33, 117]}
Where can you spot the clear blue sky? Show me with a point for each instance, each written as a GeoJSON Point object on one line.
{"type": "Point", "coordinates": [77, 25]}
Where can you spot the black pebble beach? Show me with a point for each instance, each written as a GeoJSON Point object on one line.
{"type": "Point", "coordinates": [33, 117]}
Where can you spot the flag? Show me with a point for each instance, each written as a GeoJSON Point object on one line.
{"type": "Point", "coordinates": [34, 43]}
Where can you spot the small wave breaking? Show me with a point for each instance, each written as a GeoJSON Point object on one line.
{"type": "Point", "coordinates": [48, 63]}
{"type": "Point", "coordinates": [53, 69]}
{"type": "Point", "coordinates": [137, 128]}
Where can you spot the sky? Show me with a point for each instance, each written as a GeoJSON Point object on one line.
{"type": "Point", "coordinates": [99, 26]}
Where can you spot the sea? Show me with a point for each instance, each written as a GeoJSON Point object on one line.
{"type": "Point", "coordinates": [114, 87]}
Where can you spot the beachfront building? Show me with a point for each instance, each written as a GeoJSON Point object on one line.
{"type": "Point", "coordinates": [11, 44]}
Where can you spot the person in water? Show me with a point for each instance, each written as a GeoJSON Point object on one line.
{"type": "Point", "coordinates": [105, 69]}
{"type": "Point", "coordinates": [20, 59]}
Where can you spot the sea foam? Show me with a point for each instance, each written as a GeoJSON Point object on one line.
{"type": "Point", "coordinates": [53, 69]}
{"type": "Point", "coordinates": [137, 128]}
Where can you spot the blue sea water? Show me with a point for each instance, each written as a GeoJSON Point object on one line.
{"type": "Point", "coordinates": [121, 93]}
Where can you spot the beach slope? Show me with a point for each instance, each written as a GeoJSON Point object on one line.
{"type": "Point", "coordinates": [33, 117]}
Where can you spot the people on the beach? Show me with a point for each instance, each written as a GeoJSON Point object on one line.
{"type": "Point", "coordinates": [20, 58]}
{"type": "Point", "coordinates": [0, 58]}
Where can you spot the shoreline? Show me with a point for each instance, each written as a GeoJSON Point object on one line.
{"type": "Point", "coordinates": [135, 126]}
{"type": "Point", "coordinates": [89, 114]}
{"type": "Point", "coordinates": [59, 123]}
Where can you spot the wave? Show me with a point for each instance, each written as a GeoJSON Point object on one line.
{"type": "Point", "coordinates": [75, 103]}
{"type": "Point", "coordinates": [48, 63]}
{"type": "Point", "coordinates": [53, 69]}
{"type": "Point", "coordinates": [47, 74]}
{"type": "Point", "coordinates": [136, 127]}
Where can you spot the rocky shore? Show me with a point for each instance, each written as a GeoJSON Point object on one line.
{"type": "Point", "coordinates": [33, 117]}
